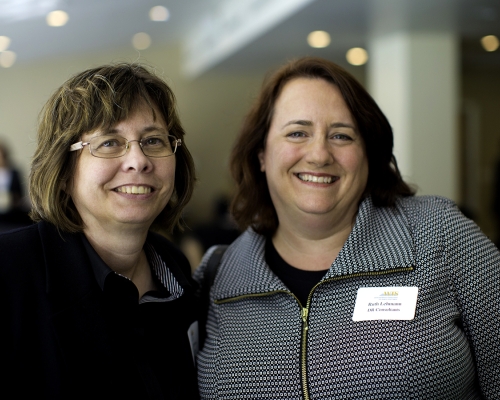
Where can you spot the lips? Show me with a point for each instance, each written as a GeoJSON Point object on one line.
{"type": "Point", "coordinates": [317, 179]}
{"type": "Point", "coordinates": [133, 189]}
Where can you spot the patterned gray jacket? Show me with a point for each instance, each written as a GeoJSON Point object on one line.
{"type": "Point", "coordinates": [263, 344]}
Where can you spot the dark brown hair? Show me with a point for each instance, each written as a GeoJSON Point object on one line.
{"type": "Point", "coordinates": [252, 205]}
{"type": "Point", "coordinates": [99, 98]}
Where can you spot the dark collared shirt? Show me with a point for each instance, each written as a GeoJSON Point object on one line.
{"type": "Point", "coordinates": [169, 287]}
{"type": "Point", "coordinates": [136, 326]}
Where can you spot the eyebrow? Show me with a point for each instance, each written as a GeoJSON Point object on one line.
{"type": "Point", "coordinates": [304, 122]}
{"type": "Point", "coordinates": [148, 129]}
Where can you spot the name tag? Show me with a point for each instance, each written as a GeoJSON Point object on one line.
{"type": "Point", "coordinates": [385, 303]}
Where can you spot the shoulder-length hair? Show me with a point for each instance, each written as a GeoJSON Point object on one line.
{"type": "Point", "coordinates": [252, 205]}
{"type": "Point", "coordinates": [94, 99]}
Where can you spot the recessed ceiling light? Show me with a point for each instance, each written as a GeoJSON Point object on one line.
{"type": "Point", "coordinates": [7, 59]}
{"type": "Point", "coordinates": [4, 43]}
{"type": "Point", "coordinates": [141, 41]}
{"type": "Point", "coordinates": [318, 39]}
{"type": "Point", "coordinates": [159, 13]}
{"type": "Point", "coordinates": [490, 42]}
{"type": "Point", "coordinates": [357, 56]}
{"type": "Point", "coordinates": [57, 18]}
{"type": "Point", "coordinates": [21, 10]}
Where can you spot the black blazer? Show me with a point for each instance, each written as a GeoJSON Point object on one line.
{"type": "Point", "coordinates": [53, 334]}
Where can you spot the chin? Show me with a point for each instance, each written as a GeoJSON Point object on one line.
{"type": "Point", "coordinates": [135, 220]}
{"type": "Point", "coordinates": [319, 209]}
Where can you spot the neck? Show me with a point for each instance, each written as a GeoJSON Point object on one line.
{"type": "Point", "coordinates": [123, 252]}
{"type": "Point", "coordinates": [315, 245]}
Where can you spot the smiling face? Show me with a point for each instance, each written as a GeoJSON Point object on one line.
{"type": "Point", "coordinates": [314, 157]}
{"type": "Point", "coordinates": [126, 191]}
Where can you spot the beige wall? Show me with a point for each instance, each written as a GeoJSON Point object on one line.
{"type": "Point", "coordinates": [211, 109]}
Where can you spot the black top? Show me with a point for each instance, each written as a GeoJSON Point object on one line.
{"type": "Point", "coordinates": [70, 333]}
{"type": "Point", "coordinates": [298, 281]}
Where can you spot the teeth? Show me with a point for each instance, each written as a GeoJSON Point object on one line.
{"type": "Point", "coordinates": [314, 178]}
{"type": "Point", "coordinates": [134, 189]}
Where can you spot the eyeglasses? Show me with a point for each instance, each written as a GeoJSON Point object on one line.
{"type": "Point", "coordinates": [113, 146]}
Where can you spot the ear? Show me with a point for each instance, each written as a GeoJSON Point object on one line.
{"type": "Point", "coordinates": [261, 160]}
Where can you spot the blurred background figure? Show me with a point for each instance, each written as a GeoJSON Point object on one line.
{"type": "Point", "coordinates": [220, 229]}
{"type": "Point", "coordinates": [13, 213]}
{"type": "Point", "coordinates": [496, 202]}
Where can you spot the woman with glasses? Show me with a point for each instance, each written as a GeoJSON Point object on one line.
{"type": "Point", "coordinates": [94, 304]}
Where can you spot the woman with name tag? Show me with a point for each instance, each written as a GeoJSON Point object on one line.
{"type": "Point", "coordinates": [344, 284]}
{"type": "Point", "coordinates": [94, 304]}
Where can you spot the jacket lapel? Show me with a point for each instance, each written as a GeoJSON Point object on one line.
{"type": "Point", "coordinates": [74, 297]}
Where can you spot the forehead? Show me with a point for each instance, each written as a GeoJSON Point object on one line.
{"type": "Point", "coordinates": [310, 97]}
{"type": "Point", "coordinates": [308, 86]}
{"type": "Point", "coordinates": [141, 115]}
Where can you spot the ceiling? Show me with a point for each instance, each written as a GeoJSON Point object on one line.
{"type": "Point", "coordinates": [97, 25]}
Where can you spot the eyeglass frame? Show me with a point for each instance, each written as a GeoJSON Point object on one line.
{"type": "Point", "coordinates": [80, 145]}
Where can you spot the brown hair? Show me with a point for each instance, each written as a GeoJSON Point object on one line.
{"type": "Point", "coordinates": [252, 205]}
{"type": "Point", "coordinates": [98, 98]}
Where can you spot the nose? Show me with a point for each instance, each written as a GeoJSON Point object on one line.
{"type": "Point", "coordinates": [319, 151]}
{"type": "Point", "coordinates": [135, 159]}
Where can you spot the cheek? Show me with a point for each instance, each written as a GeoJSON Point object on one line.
{"type": "Point", "coordinates": [353, 160]}
{"type": "Point", "coordinates": [282, 157]}
{"type": "Point", "coordinates": [91, 174]}
{"type": "Point", "coordinates": [166, 173]}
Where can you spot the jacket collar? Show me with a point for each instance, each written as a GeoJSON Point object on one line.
{"type": "Point", "coordinates": [173, 258]}
{"type": "Point", "coordinates": [380, 240]}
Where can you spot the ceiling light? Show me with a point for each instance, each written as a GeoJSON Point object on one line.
{"type": "Point", "coordinates": [357, 56]}
{"type": "Point", "coordinates": [141, 41]}
{"type": "Point", "coordinates": [21, 10]}
{"type": "Point", "coordinates": [7, 59]}
{"type": "Point", "coordinates": [4, 43]}
{"type": "Point", "coordinates": [57, 18]}
{"type": "Point", "coordinates": [318, 39]}
{"type": "Point", "coordinates": [159, 13]}
{"type": "Point", "coordinates": [490, 42]}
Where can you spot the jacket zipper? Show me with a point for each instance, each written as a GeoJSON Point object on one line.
{"type": "Point", "coordinates": [305, 313]}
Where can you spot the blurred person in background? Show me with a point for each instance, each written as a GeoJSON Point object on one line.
{"type": "Point", "coordinates": [94, 304]}
{"type": "Point", "coordinates": [496, 202]}
{"type": "Point", "coordinates": [13, 213]}
{"type": "Point", "coordinates": [344, 284]}
{"type": "Point", "coordinates": [220, 229]}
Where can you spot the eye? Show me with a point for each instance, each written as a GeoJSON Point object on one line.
{"type": "Point", "coordinates": [296, 134]}
{"type": "Point", "coordinates": [110, 143]}
{"type": "Point", "coordinates": [341, 136]}
{"type": "Point", "coordinates": [152, 141]}
{"type": "Point", "coordinates": [155, 141]}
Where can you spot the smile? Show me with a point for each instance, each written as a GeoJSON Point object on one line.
{"type": "Point", "coordinates": [316, 179]}
{"type": "Point", "coordinates": [134, 189]}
